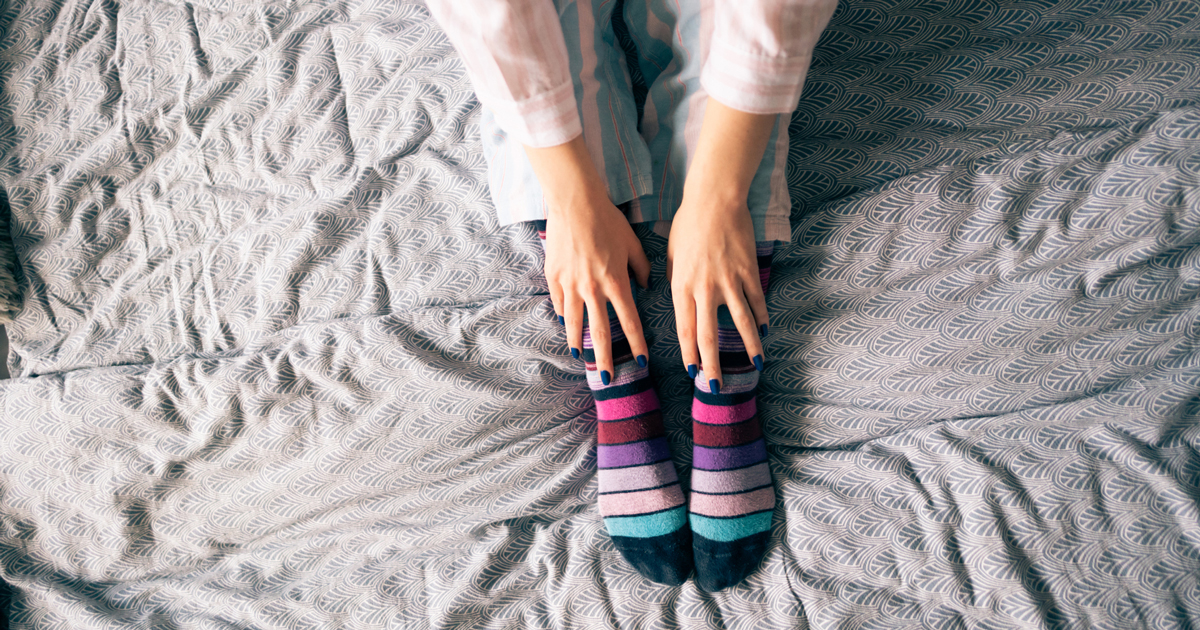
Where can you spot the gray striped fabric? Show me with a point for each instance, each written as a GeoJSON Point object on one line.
{"type": "Point", "coordinates": [278, 367]}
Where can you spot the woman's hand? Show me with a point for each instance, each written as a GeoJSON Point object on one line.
{"type": "Point", "coordinates": [711, 257]}
{"type": "Point", "coordinates": [711, 260]}
{"type": "Point", "coordinates": [590, 249]}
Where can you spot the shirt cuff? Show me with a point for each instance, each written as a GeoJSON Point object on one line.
{"type": "Point", "coordinates": [545, 120]}
{"type": "Point", "coordinates": [753, 83]}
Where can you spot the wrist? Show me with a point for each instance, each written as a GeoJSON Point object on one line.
{"type": "Point", "coordinates": [567, 175]}
{"type": "Point", "coordinates": [715, 192]}
{"type": "Point", "coordinates": [727, 157]}
{"type": "Point", "coordinates": [717, 202]}
{"type": "Point", "coordinates": [571, 198]}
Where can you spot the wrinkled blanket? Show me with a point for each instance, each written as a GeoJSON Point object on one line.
{"type": "Point", "coordinates": [278, 367]}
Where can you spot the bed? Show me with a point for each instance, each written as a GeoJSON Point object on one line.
{"type": "Point", "coordinates": [276, 366]}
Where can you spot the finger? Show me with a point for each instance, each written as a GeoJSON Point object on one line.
{"type": "Point", "coordinates": [640, 264]}
{"type": "Point", "coordinates": [706, 339]}
{"type": "Point", "coordinates": [631, 324]}
{"type": "Point", "coordinates": [758, 304]}
{"type": "Point", "coordinates": [744, 320]}
{"type": "Point", "coordinates": [556, 298]}
{"type": "Point", "coordinates": [601, 336]}
{"type": "Point", "coordinates": [573, 314]}
{"type": "Point", "coordinates": [685, 327]}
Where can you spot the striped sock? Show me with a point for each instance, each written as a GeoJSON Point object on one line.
{"type": "Point", "coordinates": [733, 497]}
{"type": "Point", "coordinates": [641, 500]}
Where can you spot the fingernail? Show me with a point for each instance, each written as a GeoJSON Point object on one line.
{"type": "Point", "coordinates": [562, 321]}
{"type": "Point", "coordinates": [714, 386]}
{"type": "Point", "coordinates": [762, 330]}
{"type": "Point", "coordinates": [574, 353]}
{"type": "Point", "coordinates": [604, 377]}
{"type": "Point", "coordinates": [758, 364]}
{"type": "Point", "coordinates": [692, 370]}
{"type": "Point", "coordinates": [641, 359]}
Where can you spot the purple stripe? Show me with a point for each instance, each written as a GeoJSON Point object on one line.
{"type": "Point", "coordinates": [636, 454]}
{"type": "Point", "coordinates": [726, 458]}
{"type": "Point", "coordinates": [729, 340]}
{"type": "Point", "coordinates": [615, 332]}
{"type": "Point", "coordinates": [728, 334]}
{"type": "Point", "coordinates": [731, 345]}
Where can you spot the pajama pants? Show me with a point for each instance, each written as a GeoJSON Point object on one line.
{"type": "Point", "coordinates": [643, 168]}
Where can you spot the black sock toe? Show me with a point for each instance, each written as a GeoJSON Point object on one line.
{"type": "Point", "coordinates": [665, 559]}
{"type": "Point", "coordinates": [720, 565]}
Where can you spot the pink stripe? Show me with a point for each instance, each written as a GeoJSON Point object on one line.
{"type": "Point", "coordinates": [635, 205]}
{"type": "Point", "coordinates": [723, 414]}
{"type": "Point", "coordinates": [617, 136]}
{"type": "Point", "coordinates": [626, 503]}
{"type": "Point", "coordinates": [695, 116]}
{"type": "Point", "coordinates": [780, 202]}
{"type": "Point", "coordinates": [626, 373]}
{"type": "Point", "coordinates": [660, 31]}
{"type": "Point", "coordinates": [656, 28]}
{"type": "Point", "coordinates": [626, 407]}
{"type": "Point", "coordinates": [639, 477]}
{"type": "Point", "coordinates": [590, 108]}
{"type": "Point", "coordinates": [731, 504]}
{"type": "Point", "coordinates": [707, 10]}
{"type": "Point", "coordinates": [649, 123]}
{"type": "Point", "coordinates": [718, 481]}
{"type": "Point", "coordinates": [695, 120]}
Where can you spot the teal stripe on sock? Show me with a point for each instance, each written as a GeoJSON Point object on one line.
{"type": "Point", "coordinates": [647, 525]}
{"type": "Point", "coordinates": [730, 529]}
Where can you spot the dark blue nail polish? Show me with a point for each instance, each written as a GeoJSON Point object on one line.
{"type": "Point", "coordinates": [692, 370]}
{"type": "Point", "coordinates": [762, 330]}
{"type": "Point", "coordinates": [758, 363]}
{"type": "Point", "coordinates": [574, 353]}
{"type": "Point", "coordinates": [562, 321]}
{"type": "Point", "coordinates": [641, 359]}
{"type": "Point", "coordinates": [714, 386]}
{"type": "Point", "coordinates": [604, 377]}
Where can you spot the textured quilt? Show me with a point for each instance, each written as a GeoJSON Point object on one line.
{"type": "Point", "coordinates": [278, 367]}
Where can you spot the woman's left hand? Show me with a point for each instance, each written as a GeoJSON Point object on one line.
{"type": "Point", "coordinates": [711, 254]}
{"type": "Point", "coordinates": [711, 260]}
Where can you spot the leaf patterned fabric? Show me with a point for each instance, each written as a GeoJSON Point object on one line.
{"type": "Point", "coordinates": [279, 367]}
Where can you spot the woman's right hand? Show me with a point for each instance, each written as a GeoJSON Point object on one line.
{"type": "Point", "coordinates": [590, 250]}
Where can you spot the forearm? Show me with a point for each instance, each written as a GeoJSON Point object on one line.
{"type": "Point", "coordinates": [728, 154]}
{"type": "Point", "coordinates": [710, 254]}
{"type": "Point", "coordinates": [568, 176]}
{"type": "Point", "coordinates": [516, 56]}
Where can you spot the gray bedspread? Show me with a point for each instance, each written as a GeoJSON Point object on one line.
{"type": "Point", "coordinates": [279, 368]}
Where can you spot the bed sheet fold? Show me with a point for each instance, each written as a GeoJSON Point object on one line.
{"type": "Point", "coordinates": [278, 367]}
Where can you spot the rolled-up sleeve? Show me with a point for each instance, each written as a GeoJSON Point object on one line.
{"type": "Point", "coordinates": [761, 50]}
{"type": "Point", "coordinates": [516, 58]}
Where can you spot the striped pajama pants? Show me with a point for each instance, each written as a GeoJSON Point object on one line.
{"type": "Point", "coordinates": [643, 168]}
